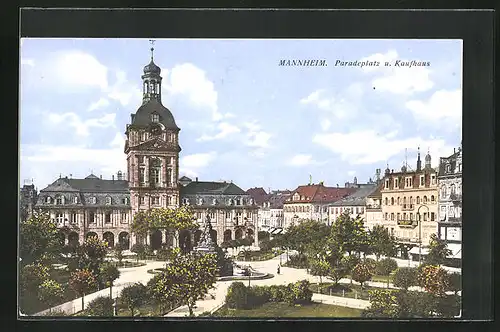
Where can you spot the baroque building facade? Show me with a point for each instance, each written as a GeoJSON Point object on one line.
{"type": "Point", "coordinates": [450, 202]}
{"type": "Point", "coordinates": [355, 204]}
{"type": "Point", "coordinates": [374, 216]}
{"type": "Point", "coordinates": [410, 203]}
{"type": "Point", "coordinates": [261, 199]}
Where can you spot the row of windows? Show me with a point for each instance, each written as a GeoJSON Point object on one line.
{"type": "Point", "coordinates": [409, 216]}
{"type": "Point", "coordinates": [357, 210]}
{"type": "Point", "coordinates": [73, 217]}
{"type": "Point", "coordinates": [144, 136]}
{"type": "Point", "coordinates": [453, 190]}
{"type": "Point", "coordinates": [212, 215]}
{"type": "Point", "coordinates": [409, 182]}
{"type": "Point", "coordinates": [61, 200]}
{"type": "Point", "coordinates": [155, 200]}
{"type": "Point", "coordinates": [411, 201]}
{"type": "Point", "coordinates": [214, 201]}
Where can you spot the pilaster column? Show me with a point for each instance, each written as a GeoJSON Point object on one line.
{"type": "Point", "coordinates": [164, 167]}
{"type": "Point", "coordinates": [146, 171]}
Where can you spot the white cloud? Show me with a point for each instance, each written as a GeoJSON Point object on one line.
{"type": "Point", "coordinates": [442, 105]}
{"type": "Point", "coordinates": [339, 107]}
{"type": "Point", "coordinates": [197, 160]}
{"type": "Point", "coordinates": [259, 139]}
{"type": "Point", "coordinates": [302, 160]}
{"type": "Point", "coordinates": [367, 147]}
{"type": "Point", "coordinates": [118, 141]}
{"type": "Point", "coordinates": [81, 127]}
{"type": "Point", "coordinates": [125, 92]}
{"type": "Point", "coordinates": [187, 172]}
{"type": "Point", "coordinates": [351, 173]}
{"type": "Point", "coordinates": [325, 124]}
{"type": "Point", "coordinates": [101, 103]}
{"type": "Point", "coordinates": [313, 97]}
{"type": "Point", "coordinates": [398, 79]}
{"type": "Point", "coordinates": [79, 68]}
{"type": "Point", "coordinates": [28, 62]}
{"type": "Point", "coordinates": [188, 80]}
{"type": "Point", "coordinates": [225, 129]}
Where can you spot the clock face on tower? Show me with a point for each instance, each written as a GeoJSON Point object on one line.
{"type": "Point", "coordinates": [155, 130]}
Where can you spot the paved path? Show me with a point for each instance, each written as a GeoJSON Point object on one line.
{"type": "Point", "coordinates": [341, 301]}
{"type": "Point", "coordinates": [128, 276]}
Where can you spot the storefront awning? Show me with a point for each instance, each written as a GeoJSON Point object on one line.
{"type": "Point", "coordinates": [277, 231]}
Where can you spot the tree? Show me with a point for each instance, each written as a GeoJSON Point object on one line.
{"type": "Point", "coordinates": [191, 276]}
{"type": "Point", "coordinates": [383, 304]}
{"type": "Point", "coordinates": [434, 279]}
{"type": "Point", "coordinates": [134, 296]}
{"type": "Point", "coordinates": [385, 267]}
{"type": "Point", "coordinates": [81, 282]}
{"type": "Point", "coordinates": [414, 304]}
{"type": "Point", "coordinates": [361, 273]}
{"type": "Point", "coordinates": [50, 293]}
{"type": "Point", "coordinates": [320, 268]}
{"type": "Point", "coordinates": [90, 255]}
{"type": "Point", "coordinates": [263, 235]}
{"type": "Point", "coordinates": [31, 277]}
{"type": "Point", "coordinates": [349, 262]}
{"type": "Point", "coordinates": [109, 273]}
{"type": "Point", "coordinates": [170, 219]}
{"type": "Point", "coordinates": [101, 306]}
{"type": "Point", "coordinates": [160, 289]}
{"type": "Point", "coordinates": [438, 251]}
{"type": "Point", "coordinates": [307, 236]}
{"type": "Point", "coordinates": [118, 254]}
{"type": "Point", "coordinates": [405, 277]}
{"type": "Point", "coordinates": [381, 242]}
{"type": "Point", "coordinates": [348, 233]}
{"type": "Point", "coordinates": [38, 239]}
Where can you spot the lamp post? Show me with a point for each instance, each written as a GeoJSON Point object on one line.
{"type": "Point", "coordinates": [420, 233]}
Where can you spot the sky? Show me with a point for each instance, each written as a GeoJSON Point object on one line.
{"type": "Point", "coordinates": [243, 117]}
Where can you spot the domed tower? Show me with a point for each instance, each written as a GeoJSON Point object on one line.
{"type": "Point", "coordinates": [152, 148]}
{"type": "Point", "coordinates": [387, 170]}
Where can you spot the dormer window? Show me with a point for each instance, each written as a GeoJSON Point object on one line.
{"type": "Point", "coordinates": [229, 202]}
{"type": "Point", "coordinates": [48, 200]}
{"type": "Point", "coordinates": [448, 168]}
{"type": "Point", "coordinates": [125, 201]}
{"type": "Point", "coordinates": [238, 201]}
{"type": "Point", "coordinates": [59, 200]}
{"type": "Point", "coordinates": [93, 200]}
{"type": "Point", "coordinates": [396, 182]}
{"type": "Point", "coordinates": [200, 201]}
{"type": "Point", "coordinates": [75, 200]}
{"type": "Point", "coordinates": [108, 200]}
{"type": "Point", "coordinates": [214, 201]}
{"type": "Point", "coordinates": [386, 184]}
{"type": "Point", "coordinates": [155, 118]}
{"type": "Point", "coordinates": [185, 201]}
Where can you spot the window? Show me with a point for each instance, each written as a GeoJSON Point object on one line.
{"type": "Point", "coordinates": [214, 201]}
{"type": "Point", "coordinates": [123, 217]}
{"type": "Point", "coordinates": [385, 217]}
{"type": "Point", "coordinates": [170, 137]}
{"type": "Point", "coordinates": [91, 217]}
{"type": "Point", "coordinates": [141, 175]}
{"type": "Point", "coordinates": [75, 200]}
{"type": "Point", "coordinates": [425, 199]}
{"type": "Point", "coordinates": [422, 180]}
{"type": "Point", "coordinates": [433, 179]}
{"type": "Point", "coordinates": [432, 216]}
{"type": "Point", "coordinates": [425, 216]}
{"type": "Point", "coordinates": [93, 200]}
{"type": "Point", "coordinates": [200, 201]}
{"type": "Point", "coordinates": [392, 216]}
{"type": "Point", "coordinates": [59, 218]}
{"type": "Point", "coordinates": [386, 201]}
{"type": "Point", "coordinates": [386, 184]}
{"type": "Point", "coordinates": [452, 189]}
{"type": "Point", "coordinates": [408, 182]}
{"type": "Point", "coordinates": [73, 218]}
{"type": "Point", "coordinates": [59, 200]}
{"type": "Point", "coordinates": [142, 200]}
{"type": "Point", "coordinates": [433, 199]}
{"type": "Point", "coordinates": [228, 215]}
{"type": "Point", "coordinates": [392, 200]}
{"type": "Point", "coordinates": [185, 201]}
{"type": "Point", "coordinates": [459, 168]}
{"type": "Point", "coordinates": [238, 201]}
{"type": "Point", "coordinates": [443, 191]}
{"type": "Point", "coordinates": [396, 183]}
{"type": "Point", "coordinates": [48, 199]}
{"type": "Point", "coordinates": [155, 118]}
{"type": "Point", "coordinates": [156, 200]}
{"type": "Point", "coordinates": [411, 216]}
{"type": "Point", "coordinates": [398, 216]}
{"type": "Point", "coordinates": [107, 218]}
{"type": "Point", "coordinates": [212, 215]}
{"type": "Point", "coordinates": [404, 216]}
{"type": "Point", "coordinates": [144, 136]}
{"type": "Point", "coordinates": [418, 199]}
{"type": "Point", "coordinates": [155, 176]}
{"type": "Point", "coordinates": [108, 200]}
{"type": "Point", "coordinates": [399, 201]}
{"type": "Point", "coordinates": [229, 202]}
{"type": "Point", "coordinates": [448, 168]}
{"type": "Point", "coordinates": [125, 201]}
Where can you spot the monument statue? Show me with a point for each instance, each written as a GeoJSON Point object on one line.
{"type": "Point", "coordinates": [206, 244]}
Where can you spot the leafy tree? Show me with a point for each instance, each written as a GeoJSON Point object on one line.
{"type": "Point", "coordinates": [101, 306]}
{"type": "Point", "coordinates": [159, 289]}
{"type": "Point", "coordinates": [90, 255]}
{"type": "Point", "coordinates": [385, 267]}
{"type": "Point", "coordinates": [383, 304]}
{"type": "Point", "coordinates": [381, 242]}
{"type": "Point", "coordinates": [434, 279]}
{"type": "Point", "coordinates": [32, 276]}
{"type": "Point", "coordinates": [438, 251]}
{"type": "Point", "coordinates": [361, 273]}
{"type": "Point", "coordinates": [348, 233]}
{"type": "Point", "coordinates": [416, 304]}
{"type": "Point", "coordinates": [81, 282]}
{"type": "Point", "coordinates": [108, 274]}
{"type": "Point", "coordinates": [118, 254]}
{"type": "Point", "coordinates": [38, 239]}
{"type": "Point", "coordinates": [171, 219]}
{"type": "Point", "coordinates": [349, 262]}
{"type": "Point", "coordinates": [371, 263]}
{"type": "Point", "coordinates": [263, 235]}
{"type": "Point", "coordinates": [320, 268]}
{"type": "Point", "coordinates": [455, 282]}
{"type": "Point", "coordinates": [50, 293]}
{"type": "Point", "coordinates": [307, 236]}
{"type": "Point", "coordinates": [192, 275]}
{"type": "Point", "coordinates": [405, 277]}
{"type": "Point", "coordinates": [134, 296]}
{"type": "Point", "coordinates": [237, 296]}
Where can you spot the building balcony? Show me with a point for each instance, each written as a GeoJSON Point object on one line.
{"type": "Point", "coordinates": [407, 240]}
{"type": "Point", "coordinates": [373, 208]}
{"type": "Point", "coordinates": [407, 223]}
{"type": "Point", "coordinates": [408, 207]}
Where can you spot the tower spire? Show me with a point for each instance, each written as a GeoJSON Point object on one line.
{"type": "Point", "coordinates": [152, 42]}
{"type": "Point", "coordinates": [419, 162]}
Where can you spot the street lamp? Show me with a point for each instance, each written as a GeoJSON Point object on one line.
{"type": "Point", "coordinates": [420, 233]}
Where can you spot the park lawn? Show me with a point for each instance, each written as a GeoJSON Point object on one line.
{"type": "Point", "coordinates": [351, 291]}
{"type": "Point", "coordinates": [281, 309]}
{"type": "Point", "coordinates": [377, 278]}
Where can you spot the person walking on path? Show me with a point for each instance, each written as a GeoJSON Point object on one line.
{"type": "Point", "coordinates": [278, 269]}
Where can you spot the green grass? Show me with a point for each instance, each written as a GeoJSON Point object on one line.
{"type": "Point", "coordinates": [350, 291]}
{"type": "Point", "coordinates": [377, 278]}
{"type": "Point", "coordinates": [145, 310]}
{"type": "Point", "coordinates": [285, 310]}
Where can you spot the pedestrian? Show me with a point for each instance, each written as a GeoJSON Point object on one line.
{"type": "Point", "coordinates": [278, 269]}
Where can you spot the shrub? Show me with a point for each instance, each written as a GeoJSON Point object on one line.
{"type": "Point", "coordinates": [454, 282]}
{"type": "Point", "coordinates": [142, 250]}
{"type": "Point", "coordinates": [55, 313]}
{"type": "Point", "coordinates": [301, 292]}
{"type": "Point", "coordinates": [164, 254]}
{"type": "Point", "coordinates": [134, 296]}
{"type": "Point", "coordinates": [405, 277]}
{"type": "Point", "coordinates": [371, 263]}
{"type": "Point", "coordinates": [101, 306]}
{"type": "Point", "coordinates": [361, 273]}
{"type": "Point", "coordinates": [385, 267]}
{"type": "Point", "coordinates": [298, 261]}
{"type": "Point", "coordinates": [258, 295]}
{"type": "Point", "coordinates": [434, 279]}
{"type": "Point", "coordinates": [277, 293]}
{"type": "Point", "coordinates": [237, 296]}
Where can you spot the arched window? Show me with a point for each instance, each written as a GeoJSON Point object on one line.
{"type": "Point", "coordinates": [93, 200]}
{"type": "Point", "coordinates": [425, 199]}
{"type": "Point", "coordinates": [386, 201]}
{"type": "Point", "coordinates": [392, 200]}
{"type": "Point", "coordinates": [411, 200]}
{"type": "Point", "coordinates": [48, 199]}
{"type": "Point", "coordinates": [59, 200]}
{"type": "Point", "coordinates": [75, 200]}
{"type": "Point", "coordinates": [238, 201]}
{"type": "Point", "coordinates": [404, 200]}
{"type": "Point", "coordinates": [433, 199]}
{"type": "Point", "coordinates": [214, 201]}
{"type": "Point", "coordinates": [108, 200]}
{"type": "Point", "coordinates": [452, 189]}
{"type": "Point", "coordinates": [418, 199]}
{"type": "Point", "coordinates": [200, 201]}
{"type": "Point", "coordinates": [443, 191]}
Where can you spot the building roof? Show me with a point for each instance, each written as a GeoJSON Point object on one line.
{"type": "Point", "coordinates": [259, 195]}
{"type": "Point", "coordinates": [90, 184]}
{"type": "Point", "coordinates": [277, 199]}
{"type": "Point", "coordinates": [452, 161]}
{"type": "Point", "coordinates": [318, 193]}
{"type": "Point", "coordinates": [185, 178]}
{"type": "Point", "coordinates": [356, 198]}
{"type": "Point", "coordinates": [142, 118]}
{"type": "Point", "coordinates": [211, 188]}
{"type": "Point", "coordinates": [377, 193]}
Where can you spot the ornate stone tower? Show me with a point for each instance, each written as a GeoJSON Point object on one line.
{"type": "Point", "coordinates": [152, 148]}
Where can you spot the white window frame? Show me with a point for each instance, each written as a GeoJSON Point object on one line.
{"type": "Point", "coordinates": [59, 218]}
{"type": "Point", "coordinates": [396, 183]}
{"type": "Point", "coordinates": [422, 180]}
{"type": "Point", "coordinates": [155, 118]}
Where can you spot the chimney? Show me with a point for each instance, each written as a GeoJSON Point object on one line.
{"type": "Point", "coordinates": [100, 176]}
{"type": "Point", "coordinates": [453, 150]}
{"type": "Point", "coordinates": [113, 177]}
{"type": "Point", "coordinates": [196, 179]}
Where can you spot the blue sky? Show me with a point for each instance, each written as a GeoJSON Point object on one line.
{"type": "Point", "coordinates": [242, 116]}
